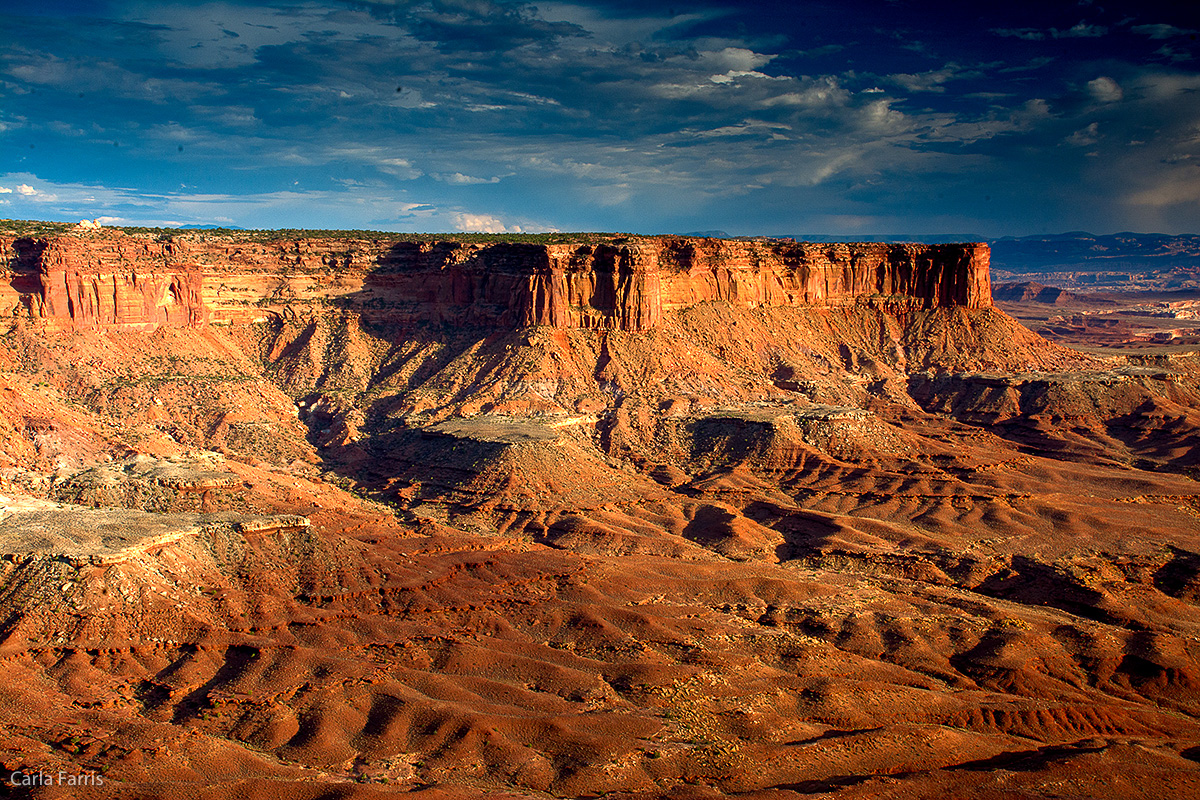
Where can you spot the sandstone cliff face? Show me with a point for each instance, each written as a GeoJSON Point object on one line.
{"type": "Point", "coordinates": [111, 279]}
{"type": "Point", "coordinates": [100, 281]}
{"type": "Point", "coordinates": [783, 273]}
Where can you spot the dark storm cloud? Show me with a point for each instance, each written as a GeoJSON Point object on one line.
{"type": "Point", "coordinates": [753, 117]}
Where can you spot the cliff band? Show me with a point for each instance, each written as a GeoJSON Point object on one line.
{"type": "Point", "coordinates": [140, 281]}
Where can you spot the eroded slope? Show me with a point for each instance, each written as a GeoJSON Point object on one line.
{"type": "Point", "coordinates": [765, 551]}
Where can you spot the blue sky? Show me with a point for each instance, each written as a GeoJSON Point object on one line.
{"type": "Point", "coordinates": [756, 118]}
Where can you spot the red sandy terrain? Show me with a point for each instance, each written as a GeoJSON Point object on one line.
{"type": "Point", "coordinates": [770, 520]}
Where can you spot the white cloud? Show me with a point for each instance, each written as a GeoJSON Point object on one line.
{"type": "Point", "coordinates": [1037, 107]}
{"type": "Point", "coordinates": [400, 168]}
{"type": "Point", "coordinates": [1085, 136]}
{"type": "Point", "coordinates": [482, 223]}
{"type": "Point", "coordinates": [732, 75]}
{"type": "Point", "coordinates": [1105, 90]}
{"type": "Point", "coordinates": [5, 190]}
{"type": "Point", "coordinates": [879, 118]}
{"type": "Point", "coordinates": [586, 170]}
{"type": "Point", "coordinates": [1175, 54]}
{"type": "Point", "coordinates": [1026, 117]}
{"type": "Point", "coordinates": [750, 127]}
{"type": "Point", "coordinates": [1081, 30]}
{"type": "Point", "coordinates": [1032, 34]}
{"type": "Point", "coordinates": [931, 81]}
{"type": "Point", "coordinates": [683, 76]}
{"type": "Point", "coordinates": [735, 59]}
{"type": "Point", "coordinates": [37, 195]}
{"type": "Point", "coordinates": [823, 92]}
{"type": "Point", "coordinates": [460, 179]}
{"type": "Point", "coordinates": [1161, 31]}
{"type": "Point", "coordinates": [382, 158]}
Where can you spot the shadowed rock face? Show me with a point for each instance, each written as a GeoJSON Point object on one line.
{"type": "Point", "coordinates": [141, 281]}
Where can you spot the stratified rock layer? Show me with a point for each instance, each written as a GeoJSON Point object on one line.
{"type": "Point", "coordinates": [144, 281]}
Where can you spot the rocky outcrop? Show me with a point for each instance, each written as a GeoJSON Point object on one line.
{"type": "Point", "coordinates": [110, 280]}
{"type": "Point", "coordinates": [140, 281]}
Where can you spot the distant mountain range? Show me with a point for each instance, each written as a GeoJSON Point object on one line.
{"type": "Point", "coordinates": [1079, 251]}
{"type": "Point", "coordinates": [921, 238]}
{"type": "Point", "coordinates": [1076, 251]}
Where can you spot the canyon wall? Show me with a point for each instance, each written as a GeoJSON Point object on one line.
{"type": "Point", "coordinates": [139, 281]}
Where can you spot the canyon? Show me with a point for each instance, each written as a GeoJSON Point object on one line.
{"type": "Point", "coordinates": [364, 515]}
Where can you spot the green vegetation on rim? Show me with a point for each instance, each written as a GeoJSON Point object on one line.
{"type": "Point", "coordinates": [26, 227]}
{"type": "Point", "coordinates": [10, 227]}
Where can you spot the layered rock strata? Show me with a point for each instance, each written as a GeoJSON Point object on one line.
{"type": "Point", "coordinates": [140, 281]}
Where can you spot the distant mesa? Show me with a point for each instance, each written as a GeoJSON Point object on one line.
{"type": "Point", "coordinates": [708, 235]}
{"type": "Point", "coordinates": [1034, 292]}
